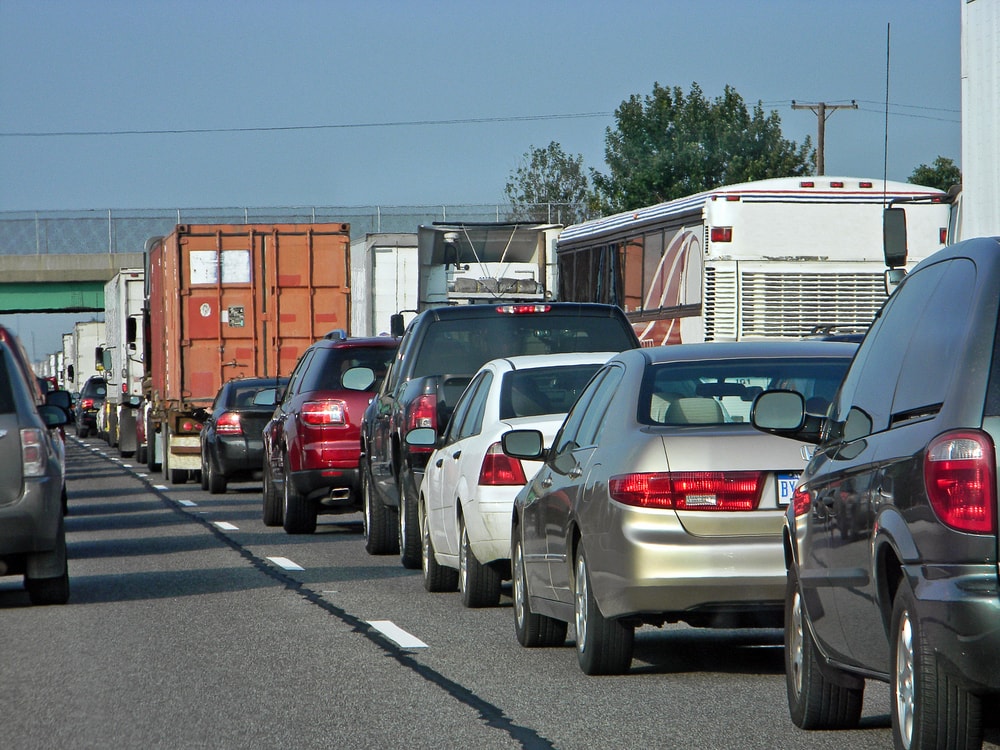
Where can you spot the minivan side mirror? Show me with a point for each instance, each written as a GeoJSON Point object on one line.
{"type": "Point", "coordinates": [894, 236]}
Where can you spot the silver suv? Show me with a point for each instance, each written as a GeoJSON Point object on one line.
{"type": "Point", "coordinates": [32, 481]}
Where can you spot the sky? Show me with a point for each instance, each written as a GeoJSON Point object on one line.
{"type": "Point", "coordinates": [122, 104]}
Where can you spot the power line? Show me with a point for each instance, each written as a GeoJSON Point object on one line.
{"type": "Point", "coordinates": [407, 123]}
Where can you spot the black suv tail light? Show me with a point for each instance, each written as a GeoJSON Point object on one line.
{"type": "Point", "coordinates": [960, 477]}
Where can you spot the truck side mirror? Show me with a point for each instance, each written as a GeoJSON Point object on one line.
{"type": "Point", "coordinates": [894, 236]}
{"type": "Point", "coordinates": [396, 326]}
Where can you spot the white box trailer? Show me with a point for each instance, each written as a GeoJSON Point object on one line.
{"type": "Point", "coordinates": [88, 340]}
{"type": "Point", "coordinates": [977, 209]}
{"type": "Point", "coordinates": [124, 297]}
{"type": "Point", "coordinates": [384, 272]}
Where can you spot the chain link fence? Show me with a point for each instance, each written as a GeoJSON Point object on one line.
{"type": "Point", "coordinates": [126, 230]}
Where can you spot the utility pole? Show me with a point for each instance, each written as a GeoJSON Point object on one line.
{"type": "Point", "coordinates": [822, 110]}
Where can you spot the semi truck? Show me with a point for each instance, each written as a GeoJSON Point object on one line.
{"type": "Point", "coordinates": [122, 357]}
{"type": "Point", "coordinates": [225, 302]}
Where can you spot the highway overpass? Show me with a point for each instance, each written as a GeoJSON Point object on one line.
{"type": "Point", "coordinates": [69, 282]}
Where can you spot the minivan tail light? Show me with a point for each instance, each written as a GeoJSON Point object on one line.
{"type": "Point", "coordinates": [689, 490]}
{"type": "Point", "coordinates": [32, 452]}
{"type": "Point", "coordinates": [500, 470]}
{"type": "Point", "coordinates": [960, 478]}
{"type": "Point", "coordinates": [324, 413]}
{"type": "Point", "coordinates": [228, 423]}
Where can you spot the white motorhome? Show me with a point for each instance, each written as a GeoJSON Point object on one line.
{"type": "Point", "coordinates": [785, 257]}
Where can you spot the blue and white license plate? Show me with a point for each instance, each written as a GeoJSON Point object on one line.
{"type": "Point", "coordinates": [786, 487]}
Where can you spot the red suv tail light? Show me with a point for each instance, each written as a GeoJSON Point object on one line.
{"type": "Point", "coordinates": [86, 403]}
{"type": "Point", "coordinates": [422, 413]}
{"type": "Point", "coordinates": [689, 490]}
{"type": "Point", "coordinates": [960, 477]}
{"type": "Point", "coordinates": [324, 413]}
{"type": "Point", "coordinates": [499, 469]}
{"type": "Point", "coordinates": [228, 423]}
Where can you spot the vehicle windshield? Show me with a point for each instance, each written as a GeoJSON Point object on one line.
{"type": "Point", "coordinates": [542, 390]}
{"type": "Point", "coordinates": [462, 346]}
{"type": "Point", "coordinates": [723, 391]}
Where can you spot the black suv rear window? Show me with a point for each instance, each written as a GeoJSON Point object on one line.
{"type": "Point", "coordinates": [464, 345]}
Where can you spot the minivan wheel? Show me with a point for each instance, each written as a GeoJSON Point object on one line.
{"type": "Point", "coordinates": [929, 708]}
{"type": "Point", "coordinates": [814, 702]}
{"type": "Point", "coordinates": [531, 629]}
{"type": "Point", "coordinates": [603, 646]}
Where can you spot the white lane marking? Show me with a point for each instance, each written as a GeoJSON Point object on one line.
{"type": "Point", "coordinates": [160, 487]}
{"type": "Point", "coordinates": [284, 562]}
{"type": "Point", "coordinates": [186, 503]}
{"type": "Point", "coordinates": [396, 634]}
{"type": "Point", "coordinates": [226, 526]}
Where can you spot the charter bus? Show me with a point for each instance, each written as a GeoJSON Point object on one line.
{"type": "Point", "coordinates": [785, 257]}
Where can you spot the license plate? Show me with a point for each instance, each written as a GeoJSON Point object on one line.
{"type": "Point", "coordinates": [786, 487]}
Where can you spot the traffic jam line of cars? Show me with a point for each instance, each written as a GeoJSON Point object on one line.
{"type": "Point", "coordinates": [846, 493]}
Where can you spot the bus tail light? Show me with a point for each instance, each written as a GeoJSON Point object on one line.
{"type": "Point", "coordinates": [722, 234]}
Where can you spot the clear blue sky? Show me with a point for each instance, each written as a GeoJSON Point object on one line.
{"type": "Point", "coordinates": [306, 101]}
{"type": "Point", "coordinates": [359, 69]}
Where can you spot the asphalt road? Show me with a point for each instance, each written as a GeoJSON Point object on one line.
{"type": "Point", "coordinates": [187, 628]}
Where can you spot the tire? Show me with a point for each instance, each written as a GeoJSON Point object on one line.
{"type": "Point", "coordinates": [930, 710]}
{"type": "Point", "coordinates": [603, 646]}
{"type": "Point", "coordinates": [273, 510]}
{"type": "Point", "coordinates": [204, 473]}
{"type": "Point", "coordinates": [814, 701]}
{"type": "Point", "coordinates": [437, 577]}
{"type": "Point", "coordinates": [478, 584]}
{"type": "Point", "coordinates": [64, 500]}
{"type": "Point", "coordinates": [140, 454]}
{"type": "Point", "coordinates": [151, 462]}
{"type": "Point", "coordinates": [409, 532]}
{"type": "Point", "coordinates": [215, 482]}
{"type": "Point", "coordinates": [532, 630]}
{"type": "Point", "coordinates": [53, 590]}
{"type": "Point", "coordinates": [81, 431]}
{"type": "Point", "coordinates": [299, 513]}
{"type": "Point", "coordinates": [379, 520]}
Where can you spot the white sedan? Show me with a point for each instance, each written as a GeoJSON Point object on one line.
{"type": "Point", "coordinates": [468, 489]}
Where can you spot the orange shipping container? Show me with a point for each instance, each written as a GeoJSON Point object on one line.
{"type": "Point", "coordinates": [233, 301]}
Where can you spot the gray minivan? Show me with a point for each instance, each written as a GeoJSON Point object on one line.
{"type": "Point", "coordinates": [891, 536]}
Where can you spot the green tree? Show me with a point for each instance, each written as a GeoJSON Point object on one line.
{"type": "Point", "coordinates": [667, 145]}
{"type": "Point", "coordinates": [943, 174]}
{"type": "Point", "coordinates": [550, 185]}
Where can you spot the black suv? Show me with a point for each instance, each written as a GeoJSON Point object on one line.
{"type": "Point", "coordinates": [891, 536]}
{"type": "Point", "coordinates": [440, 351]}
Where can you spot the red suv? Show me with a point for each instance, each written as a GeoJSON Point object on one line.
{"type": "Point", "coordinates": [313, 441]}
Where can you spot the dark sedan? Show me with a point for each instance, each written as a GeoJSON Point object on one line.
{"type": "Point", "coordinates": [232, 446]}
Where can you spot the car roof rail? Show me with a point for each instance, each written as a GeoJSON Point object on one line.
{"type": "Point", "coordinates": [337, 334]}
